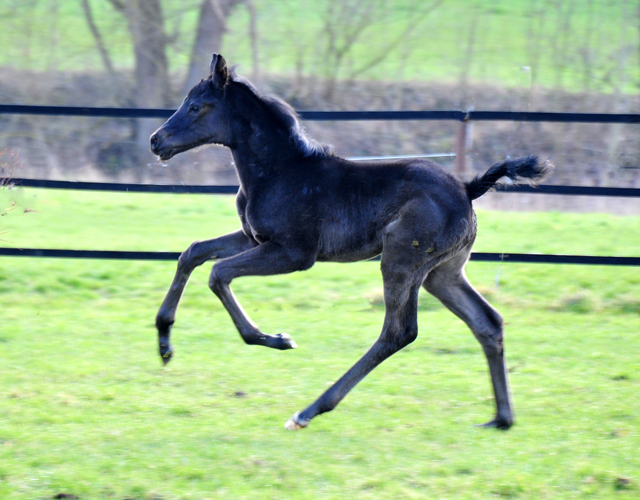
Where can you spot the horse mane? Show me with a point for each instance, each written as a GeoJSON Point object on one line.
{"type": "Point", "coordinates": [285, 114]}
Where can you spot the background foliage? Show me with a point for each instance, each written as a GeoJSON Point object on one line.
{"type": "Point", "coordinates": [578, 45]}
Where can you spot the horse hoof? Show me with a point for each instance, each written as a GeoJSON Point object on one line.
{"type": "Point", "coordinates": [286, 342]}
{"type": "Point", "coordinates": [498, 423]}
{"type": "Point", "coordinates": [166, 353]}
{"type": "Point", "coordinates": [293, 424]}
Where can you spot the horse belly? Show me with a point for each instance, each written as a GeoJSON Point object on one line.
{"type": "Point", "coordinates": [343, 241]}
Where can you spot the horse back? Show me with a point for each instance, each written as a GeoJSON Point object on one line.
{"type": "Point", "coordinates": [361, 201]}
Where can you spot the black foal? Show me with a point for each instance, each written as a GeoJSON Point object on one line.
{"type": "Point", "coordinates": [299, 204]}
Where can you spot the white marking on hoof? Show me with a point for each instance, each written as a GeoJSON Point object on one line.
{"type": "Point", "coordinates": [293, 425]}
{"type": "Point", "coordinates": [287, 338]}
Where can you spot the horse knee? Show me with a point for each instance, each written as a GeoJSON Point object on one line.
{"type": "Point", "coordinates": [217, 282]}
{"type": "Point", "coordinates": [188, 259]}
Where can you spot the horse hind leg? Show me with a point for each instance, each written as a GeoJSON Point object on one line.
{"type": "Point", "coordinates": [407, 257]}
{"type": "Point", "coordinates": [449, 284]}
{"type": "Point", "coordinates": [400, 328]}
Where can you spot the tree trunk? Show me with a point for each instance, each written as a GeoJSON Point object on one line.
{"type": "Point", "coordinates": [212, 25]}
{"type": "Point", "coordinates": [104, 54]}
{"type": "Point", "coordinates": [146, 25]}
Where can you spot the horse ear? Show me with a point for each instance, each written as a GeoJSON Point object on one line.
{"type": "Point", "coordinates": [219, 71]}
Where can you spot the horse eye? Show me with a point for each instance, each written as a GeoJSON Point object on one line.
{"type": "Point", "coordinates": [195, 108]}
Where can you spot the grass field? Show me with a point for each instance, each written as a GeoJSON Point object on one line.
{"type": "Point", "coordinates": [507, 36]}
{"type": "Point", "coordinates": [87, 409]}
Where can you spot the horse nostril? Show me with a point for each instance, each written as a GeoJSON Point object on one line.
{"type": "Point", "coordinates": [154, 141]}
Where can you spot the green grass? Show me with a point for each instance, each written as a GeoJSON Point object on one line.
{"type": "Point", "coordinates": [41, 35]}
{"type": "Point", "coordinates": [87, 409]}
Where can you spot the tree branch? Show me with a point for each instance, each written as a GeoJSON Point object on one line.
{"type": "Point", "coordinates": [253, 36]}
{"type": "Point", "coordinates": [118, 5]}
{"type": "Point", "coordinates": [383, 54]}
{"type": "Point", "coordinates": [96, 35]}
{"type": "Point", "coordinates": [219, 13]}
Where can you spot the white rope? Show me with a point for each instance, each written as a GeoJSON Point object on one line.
{"type": "Point", "coordinates": [402, 157]}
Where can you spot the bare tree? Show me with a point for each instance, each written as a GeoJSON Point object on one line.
{"type": "Point", "coordinates": [622, 56]}
{"type": "Point", "coordinates": [638, 25]}
{"type": "Point", "coordinates": [145, 22]}
{"type": "Point", "coordinates": [212, 25]}
{"type": "Point", "coordinates": [468, 57]}
{"type": "Point", "coordinates": [561, 37]}
{"type": "Point", "coordinates": [345, 23]}
{"type": "Point", "coordinates": [586, 50]}
{"type": "Point", "coordinates": [536, 20]}
{"type": "Point", "coordinates": [104, 54]}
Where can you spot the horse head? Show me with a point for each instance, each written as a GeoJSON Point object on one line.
{"type": "Point", "coordinates": [204, 117]}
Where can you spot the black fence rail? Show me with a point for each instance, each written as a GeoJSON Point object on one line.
{"type": "Point", "coordinates": [326, 116]}
{"type": "Point", "coordinates": [527, 258]}
{"type": "Point", "coordinates": [524, 116]}
{"type": "Point", "coordinates": [232, 189]}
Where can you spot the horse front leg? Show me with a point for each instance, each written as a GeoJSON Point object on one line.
{"type": "Point", "coordinates": [197, 254]}
{"type": "Point", "coordinates": [264, 260]}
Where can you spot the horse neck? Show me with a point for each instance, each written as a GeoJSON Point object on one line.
{"type": "Point", "coordinates": [261, 153]}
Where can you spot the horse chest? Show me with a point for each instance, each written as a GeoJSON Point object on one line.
{"type": "Point", "coordinates": [253, 227]}
{"type": "Point", "coordinates": [272, 219]}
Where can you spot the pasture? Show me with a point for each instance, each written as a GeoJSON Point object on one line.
{"type": "Point", "coordinates": [87, 408]}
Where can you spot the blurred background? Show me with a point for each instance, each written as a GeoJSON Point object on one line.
{"type": "Point", "coordinates": [508, 55]}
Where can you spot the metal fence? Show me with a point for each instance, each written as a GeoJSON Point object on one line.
{"type": "Point", "coordinates": [460, 116]}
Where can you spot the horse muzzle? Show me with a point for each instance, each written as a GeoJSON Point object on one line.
{"type": "Point", "coordinates": [157, 143]}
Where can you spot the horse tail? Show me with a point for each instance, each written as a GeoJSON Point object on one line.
{"type": "Point", "coordinates": [529, 169]}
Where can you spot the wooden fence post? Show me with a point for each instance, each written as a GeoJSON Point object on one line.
{"type": "Point", "coordinates": [463, 142]}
